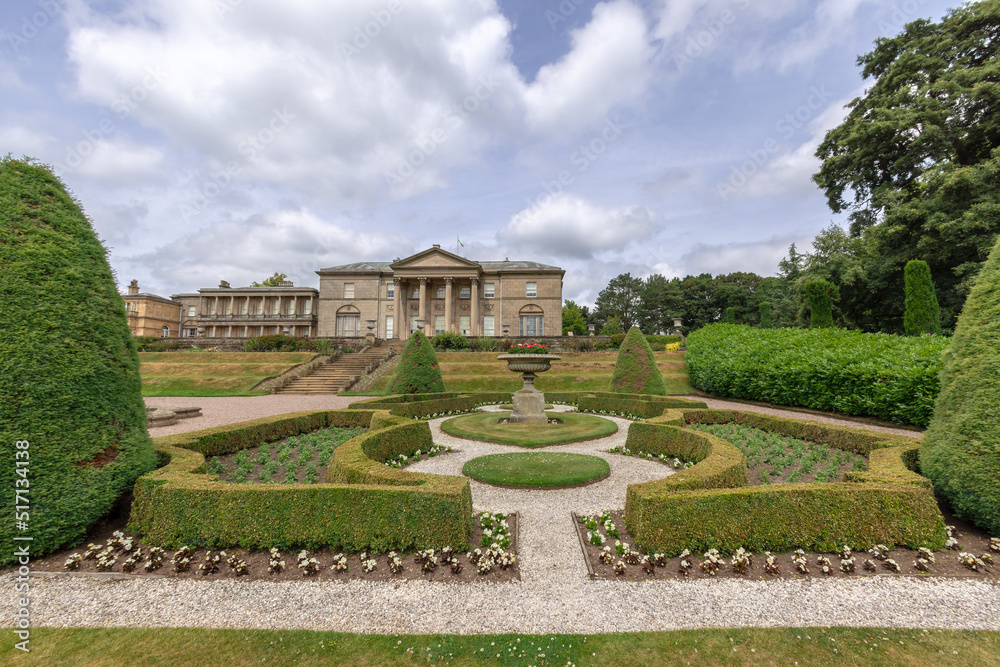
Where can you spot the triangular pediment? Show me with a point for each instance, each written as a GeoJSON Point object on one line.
{"type": "Point", "coordinates": [435, 258]}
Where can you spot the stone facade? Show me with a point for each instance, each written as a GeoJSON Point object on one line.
{"type": "Point", "coordinates": [151, 314]}
{"type": "Point", "coordinates": [245, 312]}
{"type": "Point", "coordinates": [447, 292]}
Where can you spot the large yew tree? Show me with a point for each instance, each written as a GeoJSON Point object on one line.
{"type": "Point", "coordinates": [916, 162]}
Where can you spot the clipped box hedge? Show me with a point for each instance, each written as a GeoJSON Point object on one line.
{"type": "Point", "coordinates": [851, 372]}
{"type": "Point", "coordinates": [178, 504]}
{"type": "Point", "coordinates": [709, 505]}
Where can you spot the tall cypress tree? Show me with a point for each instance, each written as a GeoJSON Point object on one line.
{"type": "Point", "coordinates": [765, 314]}
{"type": "Point", "coordinates": [730, 317]}
{"type": "Point", "coordinates": [821, 294]}
{"type": "Point", "coordinates": [923, 315]}
{"type": "Point", "coordinates": [418, 371]}
{"type": "Point", "coordinates": [960, 451]}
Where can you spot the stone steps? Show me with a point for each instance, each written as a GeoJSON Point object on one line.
{"type": "Point", "coordinates": [338, 375]}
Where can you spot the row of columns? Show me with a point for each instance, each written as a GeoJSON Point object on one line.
{"type": "Point", "coordinates": [402, 314]}
{"type": "Point", "coordinates": [218, 301]}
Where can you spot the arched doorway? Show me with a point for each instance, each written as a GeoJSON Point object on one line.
{"type": "Point", "coordinates": [348, 322]}
{"type": "Point", "coordinates": [531, 321]}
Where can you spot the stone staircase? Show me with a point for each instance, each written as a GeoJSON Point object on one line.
{"type": "Point", "coordinates": [339, 374]}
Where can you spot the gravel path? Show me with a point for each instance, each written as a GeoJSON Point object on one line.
{"type": "Point", "coordinates": [553, 596]}
{"type": "Point", "coordinates": [219, 410]}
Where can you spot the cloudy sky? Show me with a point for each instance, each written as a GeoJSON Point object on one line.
{"type": "Point", "coordinates": [228, 139]}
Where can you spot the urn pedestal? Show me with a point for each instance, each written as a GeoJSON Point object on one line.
{"type": "Point", "coordinates": [529, 403]}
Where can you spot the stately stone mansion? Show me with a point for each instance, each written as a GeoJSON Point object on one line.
{"type": "Point", "coordinates": [435, 289]}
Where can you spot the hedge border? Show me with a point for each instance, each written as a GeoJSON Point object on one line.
{"type": "Point", "coordinates": [710, 504]}
{"type": "Point", "coordinates": [178, 504]}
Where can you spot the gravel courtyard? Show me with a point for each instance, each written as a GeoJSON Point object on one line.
{"type": "Point", "coordinates": [553, 596]}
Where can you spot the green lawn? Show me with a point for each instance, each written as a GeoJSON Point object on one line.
{"type": "Point", "coordinates": [537, 469]}
{"type": "Point", "coordinates": [192, 373]}
{"type": "Point", "coordinates": [484, 426]}
{"type": "Point", "coordinates": [166, 647]}
{"type": "Point", "coordinates": [576, 371]}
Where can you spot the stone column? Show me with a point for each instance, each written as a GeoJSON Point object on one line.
{"type": "Point", "coordinates": [422, 306]}
{"type": "Point", "coordinates": [449, 324]}
{"type": "Point", "coordinates": [398, 313]}
{"type": "Point", "coordinates": [474, 308]}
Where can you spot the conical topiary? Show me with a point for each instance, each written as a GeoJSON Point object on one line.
{"type": "Point", "coordinates": [765, 314]}
{"type": "Point", "coordinates": [960, 452]}
{"type": "Point", "coordinates": [636, 371]}
{"type": "Point", "coordinates": [730, 316]}
{"type": "Point", "coordinates": [72, 420]}
{"type": "Point", "coordinates": [418, 371]}
{"type": "Point", "coordinates": [923, 314]}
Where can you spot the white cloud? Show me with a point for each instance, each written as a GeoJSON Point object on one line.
{"type": "Point", "coordinates": [122, 162]}
{"type": "Point", "coordinates": [19, 140]}
{"type": "Point", "coordinates": [760, 257]}
{"type": "Point", "coordinates": [608, 64]}
{"type": "Point", "coordinates": [567, 225]}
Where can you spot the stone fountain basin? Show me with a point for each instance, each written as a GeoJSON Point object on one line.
{"type": "Point", "coordinates": [529, 363]}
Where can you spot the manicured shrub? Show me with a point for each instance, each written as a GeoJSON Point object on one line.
{"type": "Point", "coordinates": [923, 315]}
{"type": "Point", "coordinates": [616, 340]}
{"type": "Point", "coordinates": [821, 294]}
{"type": "Point", "coordinates": [636, 371]}
{"type": "Point", "coordinates": [418, 371]}
{"type": "Point", "coordinates": [69, 370]}
{"type": "Point", "coordinates": [961, 450]}
{"type": "Point", "coordinates": [730, 316]}
{"type": "Point", "coordinates": [450, 340]}
{"type": "Point", "coordinates": [277, 343]}
{"type": "Point", "coordinates": [765, 314]}
{"type": "Point", "coordinates": [878, 375]}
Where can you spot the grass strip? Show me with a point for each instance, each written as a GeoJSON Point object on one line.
{"type": "Point", "coordinates": [483, 426]}
{"type": "Point", "coordinates": [538, 470]}
{"type": "Point", "coordinates": [166, 647]}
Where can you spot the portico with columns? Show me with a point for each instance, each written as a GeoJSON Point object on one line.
{"type": "Point", "coordinates": [446, 293]}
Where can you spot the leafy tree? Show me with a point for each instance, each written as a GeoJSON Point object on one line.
{"type": "Point", "coordinates": [611, 327]}
{"type": "Point", "coordinates": [765, 314]}
{"type": "Point", "coordinates": [821, 294]}
{"type": "Point", "coordinates": [418, 371]}
{"type": "Point", "coordinates": [960, 451]}
{"type": "Point", "coordinates": [273, 281]}
{"type": "Point", "coordinates": [660, 303]}
{"type": "Point", "coordinates": [621, 299]}
{"type": "Point", "coordinates": [730, 317]}
{"type": "Point", "coordinates": [636, 371]}
{"type": "Point", "coordinates": [573, 320]}
{"type": "Point", "coordinates": [699, 303]}
{"type": "Point", "coordinates": [922, 312]}
{"type": "Point", "coordinates": [917, 159]}
{"type": "Point", "coordinates": [790, 267]}
{"type": "Point", "coordinates": [69, 370]}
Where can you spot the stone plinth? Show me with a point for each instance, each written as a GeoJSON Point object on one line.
{"type": "Point", "coordinates": [529, 407]}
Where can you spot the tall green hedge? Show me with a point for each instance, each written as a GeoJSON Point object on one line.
{"type": "Point", "coordinates": [922, 315]}
{"type": "Point", "coordinates": [765, 314]}
{"type": "Point", "coordinates": [878, 375]}
{"type": "Point", "coordinates": [730, 316]}
{"type": "Point", "coordinates": [69, 370]}
{"type": "Point", "coordinates": [821, 294]}
{"type": "Point", "coordinates": [636, 371]}
{"type": "Point", "coordinates": [961, 449]}
{"type": "Point", "coordinates": [418, 371]}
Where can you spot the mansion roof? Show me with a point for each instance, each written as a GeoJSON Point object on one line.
{"type": "Point", "coordinates": [445, 259]}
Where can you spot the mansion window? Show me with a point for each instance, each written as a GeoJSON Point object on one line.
{"type": "Point", "coordinates": [439, 294]}
{"type": "Point", "coordinates": [489, 327]}
{"type": "Point", "coordinates": [465, 292]}
{"type": "Point", "coordinates": [388, 326]}
{"type": "Point", "coordinates": [489, 290]}
{"type": "Point", "coordinates": [307, 307]}
{"type": "Point", "coordinates": [464, 325]}
{"type": "Point", "coordinates": [530, 325]}
{"type": "Point", "coordinates": [243, 307]}
{"type": "Point", "coordinates": [165, 332]}
{"type": "Point", "coordinates": [416, 293]}
{"type": "Point", "coordinates": [211, 307]}
{"type": "Point", "coordinates": [390, 290]}
{"type": "Point", "coordinates": [348, 290]}
{"type": "Point", "coordinates": [531, 290]}
{"type": "Point", "coordinates": [276, 307]}
{"type": "Point", "coordinates": [191, 311]}
{"type": "Point", "coordinates": [438, 324]}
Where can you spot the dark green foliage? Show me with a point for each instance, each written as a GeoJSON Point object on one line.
{"type": "Point", "coordinates": [69, 370]}
{"type": "Point", "coordinates": [450, 340]}
{"type": "Point", "coordinates": [961, 449]}
{"type": "Point", "coordinates": [730, 316]}
{"type": "Point", "coordinates": [636, 371]}
{"type": "Point", "coordinates": [277, 343]}
{"type": "Point", "coordinates": [878, 375]}
{"type": "Point", "coordinates": [616, 340]}
{"type": "Point", "coordinates": [710, 506]}
{"type": "Point", "coordinates": [417, 371]}
{"type": "Point", "coordinates": [923, 315]}
{"type": "Point", "coordinates": [765, 314]}
{"type": "Point", "coordinates": [821, 295]}
{"type": "Point", "coordinates": [573, 320]}
{"type": "Point", "coordinates": [393, 509]}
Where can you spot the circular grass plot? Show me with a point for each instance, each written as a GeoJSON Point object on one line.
{"type": "Point", "coordinates": [537, 470]}
{"type": "Point", "coordinates": [484, 426]}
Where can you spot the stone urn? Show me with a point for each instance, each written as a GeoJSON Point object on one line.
{"type": "Point", "coordinates": [529, 403]}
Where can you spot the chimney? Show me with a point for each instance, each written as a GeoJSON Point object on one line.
{"type": "Point", "coordinates": [285, 283]}
{"type": "Point", "coordinates": [437, 245]}
{"type": "Point", "coordinates": [223, 284]}
{"type": "Point", "coordinates": [133, 287]}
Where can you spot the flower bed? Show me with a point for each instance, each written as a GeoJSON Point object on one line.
{"type": "Point", "coordinates": [301, 459]}
{"type": "Point", "coordinates": [612, 553]}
